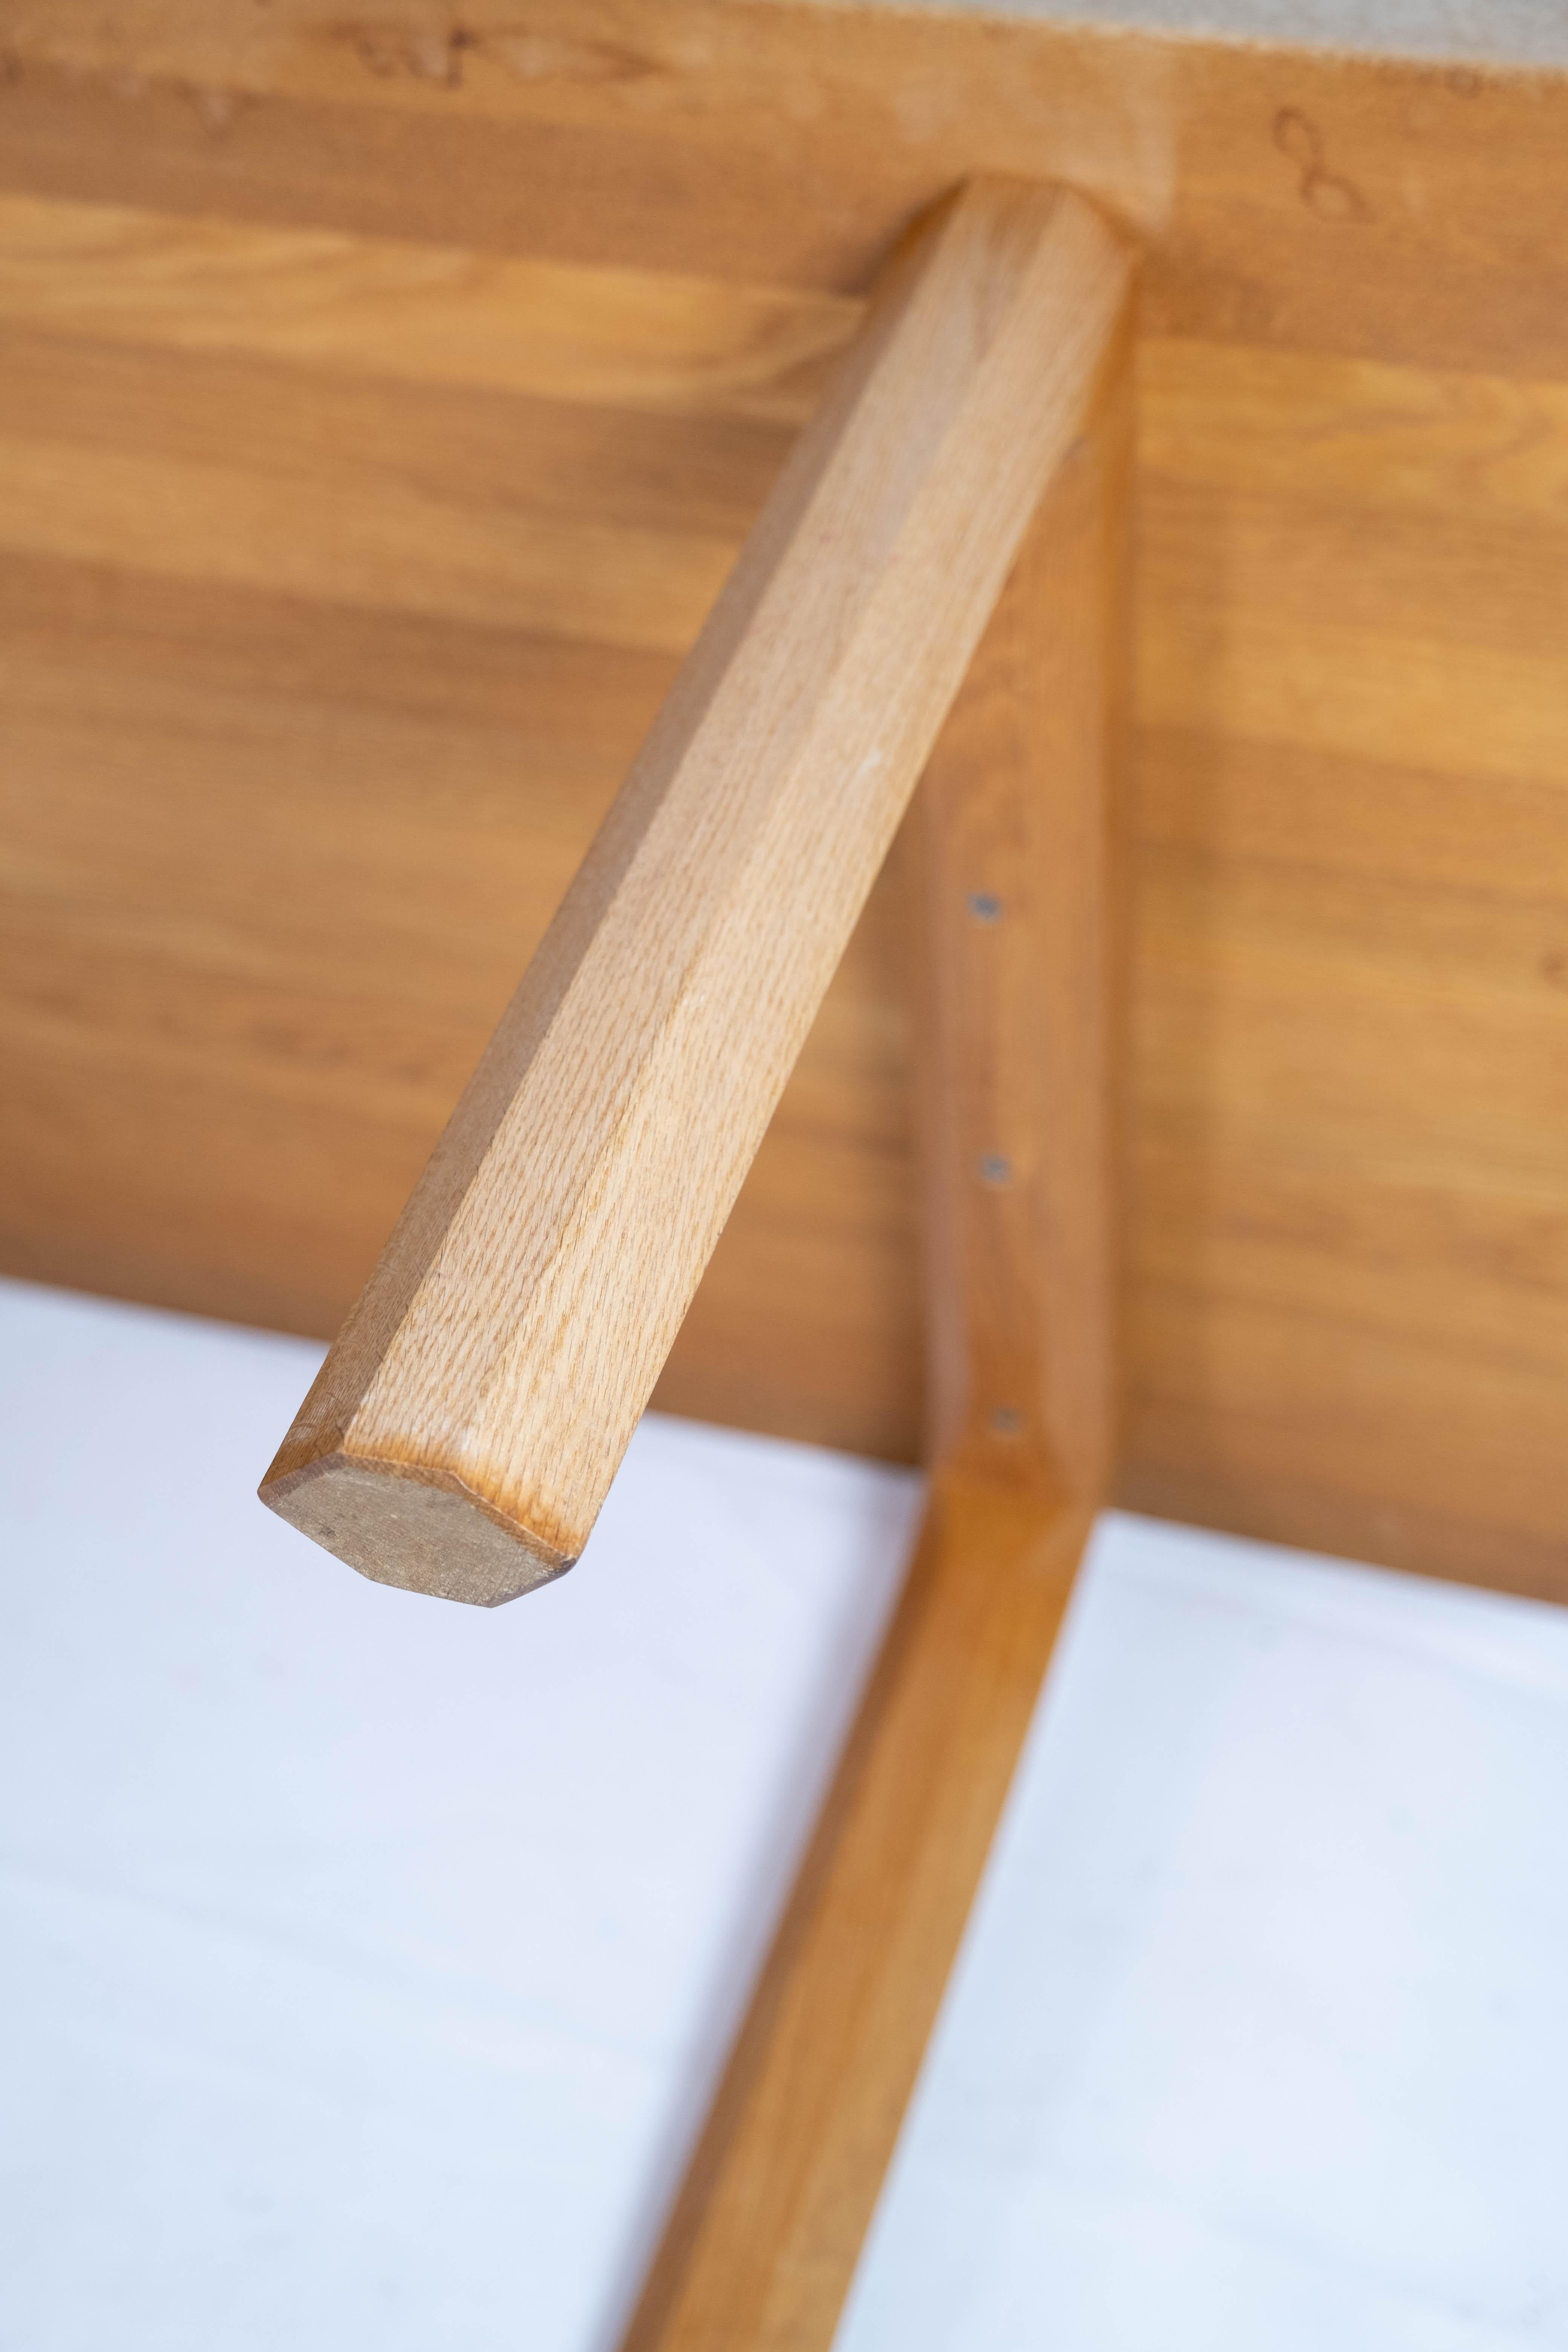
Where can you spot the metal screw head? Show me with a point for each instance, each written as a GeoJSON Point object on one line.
{"type": "Point", "coordinates": [995, 1170]}
{"type": "Point", "coordinates": [986, 906]}
{"type": "Point", "coordinates": [1005, 1421]}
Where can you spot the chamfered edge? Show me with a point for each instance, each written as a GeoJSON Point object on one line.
{"type": "Point", "coordinates": [421, 1529]}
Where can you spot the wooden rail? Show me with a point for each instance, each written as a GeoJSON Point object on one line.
{"type": "Point", "coordinates": [467, 1422]}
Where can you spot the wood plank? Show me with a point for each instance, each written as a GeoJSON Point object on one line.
{"type": "Point", "coordinates": [1246, 1231]}
{"type": "Point", "coordinates": [1017, 808]}
{"type": "Point", "coordinates": [1355, 694]}
{"type": "Point", "coordinates": [465, 1427]}
{"type": "Point", "coordinates": [404, 549]}
{"type": "Point", "coordinates": [1021, 1002]}
{"type": "Point", "coordinates": [1351, 433]}
{"type": "Point", "coordinates": [1389, 1446]}
{"type": "Point", "coordinates": [1283, 804]}
{"type": "Point", "coordinates": [1401, 209]}
{"type": "Point", "coordinates": [1351, 472]}
{"type": "Point", "coordinates": [419, 313]}
{"type": "Point", "coordinates": [1429, 579]}
{"type": "Point", "coordinates": [369, 434]}
{"type": "Point", "coordinates": [1451, 1025]}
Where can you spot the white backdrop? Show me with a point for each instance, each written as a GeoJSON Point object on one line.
{"type": "Point", "coordinates": [365, 1961]}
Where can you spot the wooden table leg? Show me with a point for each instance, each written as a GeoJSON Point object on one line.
{"type": "Point", "coordinates": [465, 1428]}
{"type": "Point", "coordinates": [1017, 812]}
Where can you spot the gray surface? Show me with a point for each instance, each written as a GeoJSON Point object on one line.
{"type": "Point", "coordinates": [1509, 32]}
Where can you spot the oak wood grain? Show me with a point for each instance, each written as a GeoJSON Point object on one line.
{"type": "Point", "coordinates": [1022, 1003]}
{"type": "Point", "coordinates": [465, 1429]}
{"type": "Point", "coordinates": [400, 308]}
{"type": "Point", "coordinates": [1016, 817]}
{"type": "Point", "coordinates": [274, 850]}
{"type": "Point", "coordinates": [763, 2239]}
{"type": "Point", "coordinates": [1406, 209]}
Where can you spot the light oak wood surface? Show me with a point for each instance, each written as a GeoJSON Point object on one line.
{"type": "Point", "coordinates": [514, 333]}
{"type": "Point", "coordinates": [763, 2242]}
{"type": "Point", "coordinates": [1296, 199]}
{"type": "Point", "coordinates": [1021, 822]}
{"type": "Point", "coordinates": [1017, 819]}
{"type": "Point", "coordinates": [467, 1425]}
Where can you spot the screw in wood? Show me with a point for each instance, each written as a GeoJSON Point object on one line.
{"type": "Point", "coordinates": [986, 906]}
{"type": "Point", "coordinates": [1005, 1421]}
{"type": "Point", "coordinates": [995, 1170]}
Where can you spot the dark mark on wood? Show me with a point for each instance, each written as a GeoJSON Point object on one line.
{"type": "Point", "coordinates": [1327, 194]}
{"type": "Point", "coordinates": [389, 49]}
